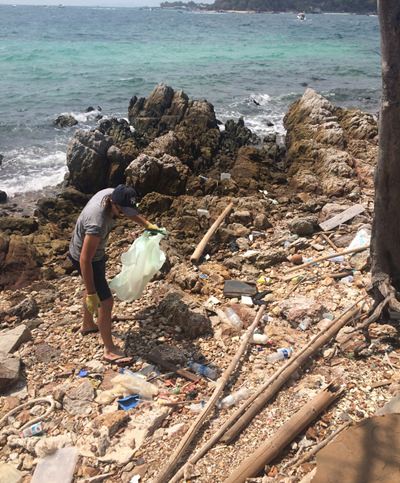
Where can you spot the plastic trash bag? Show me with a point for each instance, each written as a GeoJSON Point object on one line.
{"type": "Point", "coordinates": [140, 263]}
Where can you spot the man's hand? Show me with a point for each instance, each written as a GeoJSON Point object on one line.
{"type": "Point", "coordinates": [92, 303]}
{"type": "Point", "coordinates": [152, 227]}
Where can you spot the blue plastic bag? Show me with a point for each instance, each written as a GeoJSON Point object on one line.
{"type": "Point", "coordinates": [140, 263]}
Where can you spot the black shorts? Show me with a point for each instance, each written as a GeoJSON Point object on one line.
{"type": "Point", "coordinates": [99, 276]}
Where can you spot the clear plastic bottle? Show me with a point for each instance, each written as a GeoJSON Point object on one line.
{"type": "Point", "coordinates": [234, 398]}
{"type": "Point", "coordinates": [197, 407]}
{"type": "Point", "coordinates": [203, 370]}
{"type": "Point", "coordinates": [234, 319]}
{"type": "Point", "coordinates": [305, 323]}
{"type": "Point", "coordinates": [280, 354]}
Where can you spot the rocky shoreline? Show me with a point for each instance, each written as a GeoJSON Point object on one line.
{"type": "Point", "coordinates": [173, 152]}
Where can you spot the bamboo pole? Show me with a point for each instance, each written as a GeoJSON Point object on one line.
{"type": "Point", "coordinates": [269, 450]}
{"type": "Point", "coordinates": [326, 257]}
{"type": "Point", "coordinates": [191, 433]}
{"type": "Point", "coordinates": [206, 238]}
{"type": "Point", "coordinates": [241, 409]}
{"type": "Point", "coordinates": [259, 403]}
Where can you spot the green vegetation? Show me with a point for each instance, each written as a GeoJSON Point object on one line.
{"type": "Point", "coordinates": [353, 6]}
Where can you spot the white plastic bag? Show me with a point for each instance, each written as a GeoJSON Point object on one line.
{"type": "Point", "coordinates": [140, 263]}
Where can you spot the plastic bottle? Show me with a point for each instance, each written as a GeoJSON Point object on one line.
{"type": "Point", "coordinates": [280, 354]}
{"type": "Point", "coordinates": [135, 384]}
{"type": "Point", "coordinates": [234, 319]}
{"type": "Point", "coordinates": [349, 279]}
{"type": "Point", "coordinates": [202, 212]}
{"type": "Point", "coordinates": [337, 259]}
{"type": "Point", "coordinates": [33, 430]}
{"type": "Point", "coordinates": [203, 370]}
{"type": "Point", "coordinates": [234, 398]}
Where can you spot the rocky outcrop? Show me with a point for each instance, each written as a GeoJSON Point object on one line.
{"type": "Point", "coordinates": [166, 175]}
{"type": "Point", "coordinates": [330, 150]}
{"type": "Point", "coordinates": [159, 113]}
{"type": "Point", "coordinates": [87, 161]}
{"type": "Point", "coordinates": [17, 224]}
{"type": "Point", "coordinates": [65, 120]}
{"type": "Point", "coordinates": [19, 261]}
{"type": "Point", "coordinates": [3, 195]}
{"type": "Point", "coordinates": [61, 208]}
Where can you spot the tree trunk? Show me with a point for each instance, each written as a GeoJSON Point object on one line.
{"type": "Point", "coordinates": [385, 249]}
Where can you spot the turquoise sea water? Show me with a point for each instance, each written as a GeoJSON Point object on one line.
{"type": "Point", "coordinates": [57, 60]}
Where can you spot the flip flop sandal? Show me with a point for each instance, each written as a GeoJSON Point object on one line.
{"type": "Point", "coordinates": [89, 331]}
{"type": "Point", "coordinates": [119, 361]}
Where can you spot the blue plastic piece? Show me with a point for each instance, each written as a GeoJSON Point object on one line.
{"type": "Point", "coordinates": [128, 402]}
{"type": "Point", "coordinates": [83, 373]}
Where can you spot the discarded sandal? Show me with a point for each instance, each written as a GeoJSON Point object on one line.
{"type": "Point", "coordinates": [119, 361]}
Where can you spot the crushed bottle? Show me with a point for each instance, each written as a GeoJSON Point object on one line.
{"type": "Point", "coordinates": [203, 370]}
{"type": "Point", "coordinates": [235, 398]}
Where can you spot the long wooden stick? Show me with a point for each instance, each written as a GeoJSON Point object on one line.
{"type": "Point", "coordinates": [206, 238]}
{"type": "Point", "coordinates": [270, 392]}
{"type": "Point", "coordinates": [241, 409]}
{"type": "Point", "coordinates": [325, 257]}
{"type": "Point", "coordinates": [165, 474]}
{"type": "Point", "coordinates": [269, 450]}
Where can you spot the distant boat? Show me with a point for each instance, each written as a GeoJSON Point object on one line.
{"type": "Point", "coordinates": [301, 16]}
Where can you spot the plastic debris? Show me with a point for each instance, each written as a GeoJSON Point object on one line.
{"type": "Point", "coordinates": [128, 402]}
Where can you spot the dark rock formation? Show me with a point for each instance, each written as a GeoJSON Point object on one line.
{"type": "Point", "coordinates": [3, 195]}
{"type": "Point", "coordinates": [17, 224]}
{"type": "Point", "coordinates": [87, 161]}
{"type": "Point", "coordinates": [65, 120]}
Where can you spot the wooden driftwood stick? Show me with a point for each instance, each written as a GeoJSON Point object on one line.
{"type": "Point", "coordinates": [326, 257]}
{"type": "Point", "coordinates": [241, 409]}
{"type": "Point", "coordinates": [264, 396]}
{"type": "Point", "coordinates": [165, 473]}
{"type": "Point", "coordinates": [206, 238]}
{"type": "Point", "coordinates": [269, 450]}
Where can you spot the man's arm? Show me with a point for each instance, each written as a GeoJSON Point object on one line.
{"type": "Point", "coordinates": [89, 247]}
{"type": "Point", "coordinates": [141, 220]}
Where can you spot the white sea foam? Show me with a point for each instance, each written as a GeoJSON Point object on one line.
{"type": "Point", "coordinates": [27, 170]}
{"type": "Point", "coordinates": [84, 116]}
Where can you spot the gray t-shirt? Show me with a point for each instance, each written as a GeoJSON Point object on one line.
{"type": "Point", "coordinates": [93, 220]}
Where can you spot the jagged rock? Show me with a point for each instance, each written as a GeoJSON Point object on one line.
{"type": "Point", "coordinates": [295, 309]}
{"type": "Point", "coordinates": [62, 207]}
{"type": "Point", "coordinates": [65, 120]}
{"type": "Point", "coordinates": [18, 224]}
{"type": "Point", "coordinates": [87, 160]}
{"type": "Point", "coordinates": [318, 135]}
{"type": "Point", "coordinates": [193, 122]}
{"type": "Point", "coordinates": [177, 312]}
{"type": "Point", "coordinates": [27, 309]}
{"type": "Point", "coordinates": [270, 258]}
{"type": "Point", "coordinates": [9, 370]}
{"type": "Point", "coordinates": [238, 230]}
{"type": "Point", "coordinates": [3, 195]}
{"type": "Point", "coordinates": [166, 175]}
{"type": "Point", "coordinates": [46, 353]}
{"type": "Point", "coordinates": [303, 226]}
{"type": "Point", "coordinates": [165, 144]}
{"type": "Point", "coordinates": [170, 354]}
{"type": "Point", "coordinates": [236, 135]}
{"type": "Point", "coordinates": [261, 222]}
{"type": "Point", "coordinates": [10, 340]}
{"type": "Point", "coordinates": [19, 262]}
{"type": "Point", "coordinates": [159, 113]}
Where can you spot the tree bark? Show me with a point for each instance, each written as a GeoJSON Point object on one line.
{"type": "Point", "coordinates": [385, 252]}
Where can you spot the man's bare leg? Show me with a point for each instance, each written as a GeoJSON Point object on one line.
{"type": "Point", "coordinates": [88, 324]}
{"type": "Point", "coordinates": [111, 351]}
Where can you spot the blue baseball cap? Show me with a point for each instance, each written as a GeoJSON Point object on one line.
{"type": "Point", "coordinates": [125, 197]}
